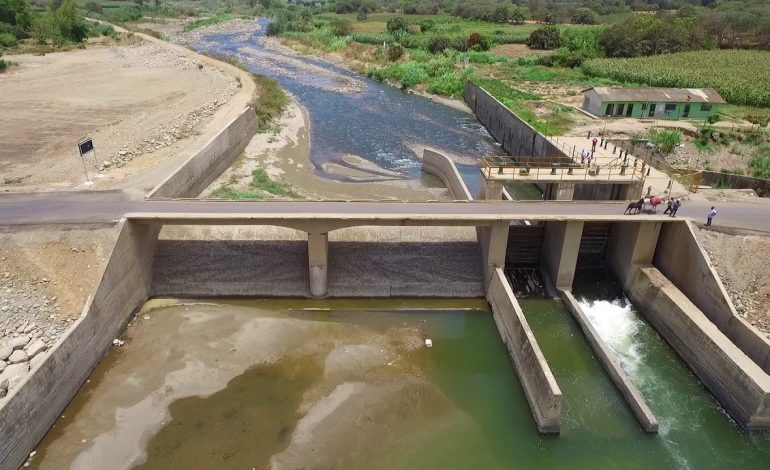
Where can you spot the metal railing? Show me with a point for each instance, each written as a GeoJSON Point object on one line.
{"type": "Point", "coordinates": [511, 169]}
{"type": "Point", "coordinates": [690, 178]}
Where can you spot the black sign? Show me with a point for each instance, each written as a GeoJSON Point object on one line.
{"type": "Point", "coordinates": [85, 146]}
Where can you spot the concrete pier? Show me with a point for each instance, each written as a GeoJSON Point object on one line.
{"type": "Point", "coordinates": [560, 251]}
{"type": "Point", "coordinates": [318, 262]}
{"type": "Point", "coordinates": [611, 364]}
{"type": "Point", "coordinates": [537, 380]}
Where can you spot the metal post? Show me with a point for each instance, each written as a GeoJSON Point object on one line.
{"type": "Point", "coordinates": [85, 169]}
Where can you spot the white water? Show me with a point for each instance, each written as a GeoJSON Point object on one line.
{"type": "Point", "coordinates": [627, 334]}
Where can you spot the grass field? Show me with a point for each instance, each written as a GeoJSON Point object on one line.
{"type": "Point", "coordinates": [740, 76]}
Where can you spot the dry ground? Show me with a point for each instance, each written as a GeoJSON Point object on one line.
{"type": "Point", "coordinates": [138, 100]}
{"type": "Point", "coordinates": [741, 261]}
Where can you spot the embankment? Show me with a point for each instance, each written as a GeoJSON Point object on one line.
{"type": "Point", "coordinates": [30, 409]}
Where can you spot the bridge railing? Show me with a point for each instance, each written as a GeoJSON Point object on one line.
{"type": "Point", "coordinates": [690, 178]}
{"type": "Point", "coordinates": [513, 169]}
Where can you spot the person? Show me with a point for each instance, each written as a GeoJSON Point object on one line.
{"type": "Point", "coordinates": [669, 205]}
{"type": "Point", "coordinates": [710, 217]}
{"type": "Point", "coordinates": [583, 155]}
{"type": "Point", "coordinates": [675, 207]}
{"type": "Point", "coordinates": [593, 145]}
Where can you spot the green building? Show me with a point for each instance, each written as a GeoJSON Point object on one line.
{"type": "Point", "coordinates": [656, 103]}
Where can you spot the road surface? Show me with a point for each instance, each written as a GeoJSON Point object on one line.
{"type": "Point", "coordinates": [72, 207]}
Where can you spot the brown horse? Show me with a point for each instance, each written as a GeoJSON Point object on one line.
{"type": "Point", "coordinates": [636, 207]}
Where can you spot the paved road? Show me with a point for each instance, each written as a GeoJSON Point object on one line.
{"type": "Point", "coordinates": [107, 206]}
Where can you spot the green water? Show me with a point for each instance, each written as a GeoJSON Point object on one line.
{"type": "Point", "coordinates": [466, 409]}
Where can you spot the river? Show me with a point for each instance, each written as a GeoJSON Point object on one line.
{"type": "Point", "coordinates": [352, 115]}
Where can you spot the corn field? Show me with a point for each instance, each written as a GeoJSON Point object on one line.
{"type": "Point", "coordinates": [740, 76]}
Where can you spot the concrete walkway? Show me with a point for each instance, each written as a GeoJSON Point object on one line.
{"type": "Point", "coordinates": [658, 180]}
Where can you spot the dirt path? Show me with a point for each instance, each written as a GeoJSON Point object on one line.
{"type": "Point", "coordinates": [147, 104]}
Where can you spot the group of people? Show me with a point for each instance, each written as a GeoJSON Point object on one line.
{"type": "Point", "coordinates": [586, 155]}
{"type": "Point", "coordinates": [673, 206]}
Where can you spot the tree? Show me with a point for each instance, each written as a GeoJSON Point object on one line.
{"type": "Point", "coordinates": [548, 37]}
{"type": "Point", "coordinates": [396, 25]}
{"type": "Point", "coordinates": [584, 16]}
{"type": "Point", "coordinates": [70, 22]}
{"type": "Point", "coordinates": [93, 7]}
{"type": "Point", "coordinates": [502, 14]}
{"type": "Point", "coordinates": [341, 26]}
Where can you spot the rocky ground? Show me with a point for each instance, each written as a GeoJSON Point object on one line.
{"type": "Point", "coordinates": [45, 279]}
{"type": "Point", "coordinates": [741, 261]}
{"type": "Point", "coordinates": [140, 101]}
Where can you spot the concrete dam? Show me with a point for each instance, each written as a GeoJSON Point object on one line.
{"type": "Point", "coordinates": [403, 250]}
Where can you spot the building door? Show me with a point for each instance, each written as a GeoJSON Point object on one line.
{"type": "Point", "coordinates": [630, 109]}
{"type": "Point", "coordinates": [610, 109]}
{"type": "Point", "coordinates": [620, 109]}
{"type": "Point", "coordinates": [686, 111]}
{"type": "Point", "coordinates": [652, 110]}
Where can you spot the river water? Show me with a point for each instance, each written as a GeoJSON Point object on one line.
{"type": "Point", "coordinates": [353, 115]}
{"type": "Point", "coordinates": [349, 384]}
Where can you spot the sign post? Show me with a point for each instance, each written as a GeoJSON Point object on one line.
{"type": "Point", "coordinates": [84, 147]}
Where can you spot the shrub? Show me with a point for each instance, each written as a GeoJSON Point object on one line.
{"type": "Point", "coordinates": [449, 84]}
{"type": "Point", "coordinates": [395, 52]}
{"type": "Point", "coordinates": [397, 24]}
{"type": "Point", "coordinates": [477, 42]}
{"type": "Point", "coordinates": [438, 44]}
{"type": "Point", "coordinates": [8, 40]}
{"type": "Point", "coordinates": [427, 25]}
{"type": "Point", "coordinates": [361, 15]}
{"type": "Point", "coordinates": [273, 29]}
{"type": "Point", "coordinates": [547, 37]}
{"type": "Point", "coordinates": [341, 26]}
{"type": "Point", "coordinates": [666, 140]}
{"type": "Point", "coordinates": [270, 100]}
{"type": "Point", "coordinates": [760, 163]}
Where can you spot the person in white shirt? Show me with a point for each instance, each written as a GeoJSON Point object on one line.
{"type": "Point", "coordinates": [711, 215]}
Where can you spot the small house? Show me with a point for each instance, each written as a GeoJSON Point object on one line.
{"type": "Point", "coordinates": [657, 103]}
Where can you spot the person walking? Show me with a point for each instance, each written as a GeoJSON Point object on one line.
{"type": "Point", "coordinates": [593, 145]}
{"type": "Point", "coordinates": [675, 207]}
{"type": "Point", "coordinates": [583, 155]}
{"type": "Point", "coordinates": [669, 205]}
{"type": "Point", "coordinates": [710, 217]}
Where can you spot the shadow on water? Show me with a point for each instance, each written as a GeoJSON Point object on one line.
{"type": "Point", "coordinates": [379, 123]}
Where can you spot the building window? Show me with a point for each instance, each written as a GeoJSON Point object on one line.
{"type": "Point", "coordinates": [610, 109]}
{"type": "Point", "coordinates": [630, 109]}
{"type": "Point", "coordinates": [670, 109]}
{"type": "Point", "coordinates": [705, 108]}
{"type": "Point", "coordinates": [644, 106]}
{"type": "Point", "coordinates": [621, 107]}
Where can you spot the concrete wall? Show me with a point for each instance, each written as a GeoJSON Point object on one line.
{"type": "Point", "coordinates": [682, 260]}
{"type": "Point", "coordinates": [516, 136]}
{"type": "Point", "coordinates": [631, 245]}
{"type": "Point", "coordinates": [561, 246]}
{"type": "Point", "coordinates": [611, 364]}
{"type": "Point", "coordinates": [32, 408]}
{"type": "Point", "coordinates": [200, 170]}
{"type": "Point", "coordinates": [540, 387]}
{"type": "Point", "coordinates": [267, 261]}
{"type": "Point", "coordinates": [444, 168]}
{"type": "Point", "coordinates": [741, 386]}
{"type": "Point", "coordinates": [715, 179]}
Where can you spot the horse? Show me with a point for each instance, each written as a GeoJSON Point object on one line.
{"type": "Point", "coordinates": [634, 206]}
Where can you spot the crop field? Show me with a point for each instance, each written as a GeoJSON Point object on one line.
{"type": "Point", "coordinates": [445, 25]}
{"type": "Point", "coordinates": [740, 76]}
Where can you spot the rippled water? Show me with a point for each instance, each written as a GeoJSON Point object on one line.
{"type": "Point", "coordinates": [376, 122]}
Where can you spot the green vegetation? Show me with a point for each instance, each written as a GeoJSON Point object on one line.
{"type": "Point", "coordinates": [269, 102]}
{"type": "Point", "coordinates": [666, 139]}
{"type": "Point", "coordinates": [210, 21]}
{"type": "Point", "coordinates": [741, 77]}
{"type": "Point", "coordinates": [555, 122]}
{"type": "Point", "coordinates": [260, 187]}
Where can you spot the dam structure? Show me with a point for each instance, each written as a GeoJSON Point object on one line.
{"type": "Point", "coordinates": [656, 260]}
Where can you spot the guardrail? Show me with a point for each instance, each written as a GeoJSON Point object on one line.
{"type": "Point", "coordinates": [690, 178]}
{"type": "Point", "coordinates": [512, 169]}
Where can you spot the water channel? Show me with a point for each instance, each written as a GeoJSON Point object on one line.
{"type": "Point", "coordinates": [351, 115]}
{"type": "Point", "coordinates": [218, 384]}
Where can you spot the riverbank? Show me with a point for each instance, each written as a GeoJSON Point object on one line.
{"type": "Point", "coordinates": [283, 154]}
